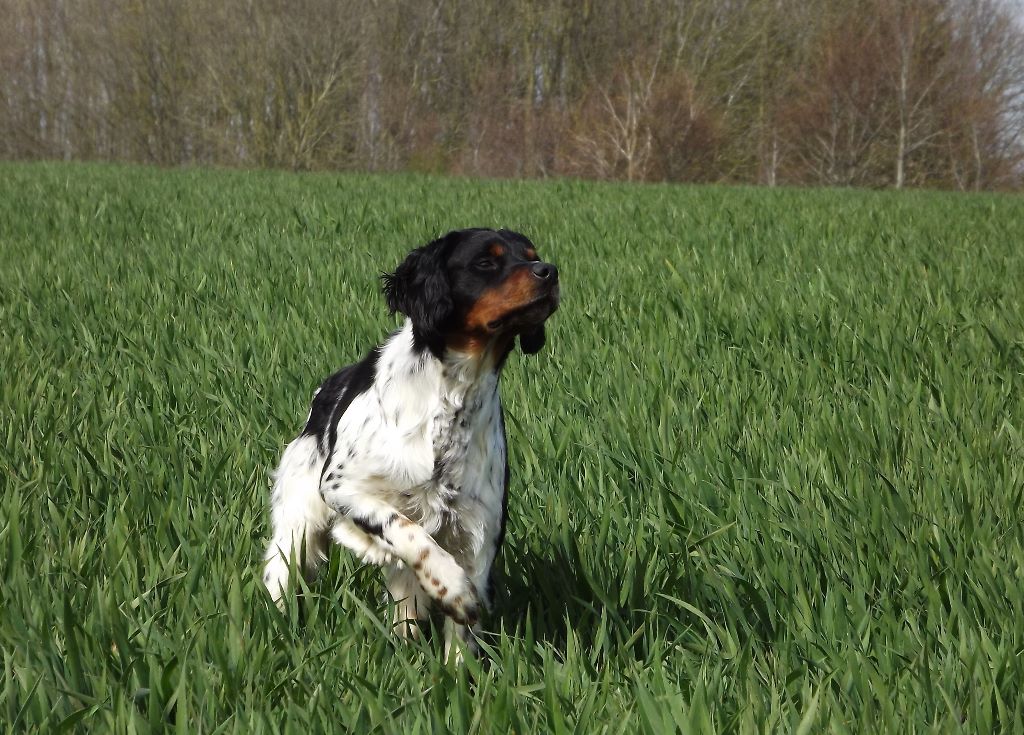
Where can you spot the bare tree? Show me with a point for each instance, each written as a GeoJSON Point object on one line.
{"type": "Point", "coordinates": [985, 114]}
{"type": "Point", "coordinates": [617, 138]}
{"type": "Point", "coordinates": [836, 126]}
{"type": "Point", "coordinates": [916, 34]}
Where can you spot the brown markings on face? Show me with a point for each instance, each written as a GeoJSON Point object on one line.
{"type": "Point", "coordinates": [531, 254]}
{"type": "Point", "coordinates": [515, 292]}
{"type": "Point", "coordinates": [497, 250]}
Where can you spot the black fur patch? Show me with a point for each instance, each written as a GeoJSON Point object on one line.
{"type": "Point", "coordinates": [419, 288]}
{"type": "Point", "coordinates": [335, 396]}
{"type": "Point", "coordinates": [531, 342]}
{"type": "Point", "coordinates": [374, 529]}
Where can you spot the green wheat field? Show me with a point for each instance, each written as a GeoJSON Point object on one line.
{"type": "Point", "coordinates": [767, 476]}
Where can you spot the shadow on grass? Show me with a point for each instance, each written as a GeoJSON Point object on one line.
{"type": "Point", "coordinates": [552, 591]}
{"type": "Point", "coordinates": [556, 595]}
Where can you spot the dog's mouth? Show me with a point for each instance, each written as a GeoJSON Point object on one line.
{"type": "Point", "coordinates": [529, 314]}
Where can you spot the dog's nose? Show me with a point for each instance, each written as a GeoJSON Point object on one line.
{"type": "Point", "coordinates": [545, 271]}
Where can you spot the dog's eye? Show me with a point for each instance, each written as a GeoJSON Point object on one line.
{"type": "Point", "coordinates": [485, 264]}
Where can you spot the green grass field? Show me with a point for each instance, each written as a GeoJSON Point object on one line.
{"type": "Point", "coordinates": [767, 476]}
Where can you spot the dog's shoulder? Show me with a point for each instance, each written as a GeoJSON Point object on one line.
{"type": "Point", "coordinates": [335, 394]}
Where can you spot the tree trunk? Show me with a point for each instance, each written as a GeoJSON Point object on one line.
{"type": "Point", "coordinates": [901, 148]}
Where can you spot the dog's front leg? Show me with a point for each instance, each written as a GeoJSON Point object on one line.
{"type": "Point", "coordinates": [460, 636]}
{"type": "Point", "coordinates": [437, 572]}
{"type": "Point", "coordinates": [478, 561]}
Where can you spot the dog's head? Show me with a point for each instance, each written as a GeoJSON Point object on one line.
{"type": "Point", "coordinates": [475, 287]}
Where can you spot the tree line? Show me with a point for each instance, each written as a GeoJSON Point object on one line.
{"type": "Point", "coordinates": [878, 93]}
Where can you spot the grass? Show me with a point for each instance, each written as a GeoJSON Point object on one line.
{"type": "Point", "coordinates": [767, 475]}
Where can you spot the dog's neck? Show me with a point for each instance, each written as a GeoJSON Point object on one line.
{"type": "Point", "coordinates": [471, 365]}
{"type": "Point", "coordinates": [457, 373]}
{"type": "Point", "coordinates": [478, 353]}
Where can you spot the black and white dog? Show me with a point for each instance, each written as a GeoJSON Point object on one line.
{"type": "Point", "coordinates": [403, 457]}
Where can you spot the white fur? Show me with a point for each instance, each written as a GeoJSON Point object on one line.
{"type": "Point", "coordinates": [420, 456]}
{"type": "Point", "coordinates": [298, 514]}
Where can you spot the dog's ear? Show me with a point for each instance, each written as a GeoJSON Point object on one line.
{"type": "Point", "coordinates": [531, 342]}
{"type": "Point", "coordinates": [419, 289]}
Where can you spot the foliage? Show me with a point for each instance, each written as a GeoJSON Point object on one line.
{"type": "Point", "coordinates": [767, 476]}
{"type": "Point", "coordinates": [869, 93]}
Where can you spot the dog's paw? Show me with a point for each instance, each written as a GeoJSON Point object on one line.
{"type": "Point", "coordinates": [464, 610]}
{"type": "Point", "coordinates": [447, 584]}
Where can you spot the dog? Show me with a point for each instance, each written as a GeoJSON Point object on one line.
{"type": "Point", "coordinates": [403, 457]}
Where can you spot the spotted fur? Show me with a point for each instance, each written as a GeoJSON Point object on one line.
{"type": "Point", "coordinates": [403, 458]}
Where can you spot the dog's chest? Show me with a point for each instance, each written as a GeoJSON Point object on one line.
{"type": "Point", "coordinates": [467, 443]}
{"type": "Point", "coordinates": [465, 433]}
